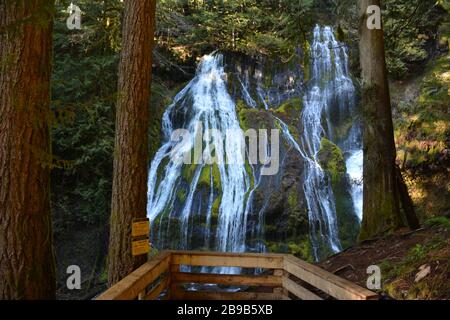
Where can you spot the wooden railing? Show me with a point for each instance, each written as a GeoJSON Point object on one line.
{"type": "Point", "coordinates": [279, 277]}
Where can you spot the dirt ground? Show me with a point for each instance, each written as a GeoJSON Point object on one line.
{"type": "Point", "coordinates": [401, 257]}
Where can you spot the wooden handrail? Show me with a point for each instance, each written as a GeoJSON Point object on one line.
{"type": "Point", "coordinates": [136, 282]}
{"type": "Point", "coordinates": [281, 279]}
{"type": "Point", "coordinates": [227, 259]}
{"type": "Point", "coordinates": [325, 281]}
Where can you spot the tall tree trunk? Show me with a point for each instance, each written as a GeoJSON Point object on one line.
{"type": "Point", "coordinates": [406, 201]}
{"type": "Point", "coordinates": [381, 196]}
{"type": "Point", "coordinates": [129, 196]}
{"type": "Point", "coordinates": [27, 265]}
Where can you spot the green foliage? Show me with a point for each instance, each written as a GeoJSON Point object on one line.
{"type": "Point", "coordinates": [409, 27]}
{"type": "Point", "coordinates": [417, 253]}
{"type": "Point", "coordinates": [441, 221]}
{"type": "Point", "coordinates": [189, 28]}
{"type": "Point", "coordinates": [302, 250]}
{"type": "Point", "coordinates": [399, 277]}
{"type": "Point", "coordinates": [422, 127]}
{"type": "Point", "coordinates": [298, 246]}
{"type": "Point", "coordinates": [83, 90]}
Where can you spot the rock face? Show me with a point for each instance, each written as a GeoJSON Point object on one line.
{"type": "Point", "coordinates": [266, 91]}
{"type": "Point", "coordinates": [266, 95]}
{"type": "Point", "coordinates": [332, 161]}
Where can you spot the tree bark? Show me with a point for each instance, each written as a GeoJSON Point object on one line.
{"type": "Point", "coordinates": [27, 264]}
{"type": "Point", "coordinates": [406, 201]}
{"type": "Point", "coordinates": [381, 211]}
{"type": "Point", "coordinates": [129, 196]}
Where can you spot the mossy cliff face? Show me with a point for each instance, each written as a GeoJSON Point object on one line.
{"type": "Point", "coordinates": [161, 97]}
{"type": "Point", "coordinates": [332, 161]}
{"type": "Point", "coordinates": [264, 83]}
{"type": "Point", "coordinates": [275, 91]}
{"type": "Point", "coordinates": [265, 92]}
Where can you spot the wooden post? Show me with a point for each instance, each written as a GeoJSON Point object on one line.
{"type": "Point", "coordinates": [172, 285]}
{"type": "Point", "coordinates": [285, 291]}
{"type": "Point", "coordinates": [278, 291]}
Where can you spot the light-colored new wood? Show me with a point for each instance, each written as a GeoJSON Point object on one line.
{"type": "Point", "coordinates": [232, 280]}
{"type": "Point", "coordinates": [325, 281]}
{"type": "Point", "coordinates": [136, 282]}
{"type": "Point", "coordinates": [167, 267]}
{"type": "Point", "coordinates": [278, 272]}
{"type": "Point", "coordinates": [299, 291]}
{"type": "Point", "coordinates": [222, 259]}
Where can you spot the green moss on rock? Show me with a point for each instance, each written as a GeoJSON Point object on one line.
{"type": "Point", "coordinates": [291, 107]}
{"type": "Point", "coordinates": [181, 195]}
{"type": "Point", "coordinates": [205, 176]}
{"type": "Point", "coordinates": [299, 246]}
{"type": "Point", "coordinates": [293, 199]}
{"type": "Point", "coordinates": [252, 119]}
{"type": "Point", "coordinates": [216, 207]}
{"type": "Point", "coordinates": [188, 171]}
{"type": "Point", "coordinates": [331, 159]}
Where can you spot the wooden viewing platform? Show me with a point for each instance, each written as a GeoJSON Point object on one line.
{"type": "Point", "coordinates": [283, 277]}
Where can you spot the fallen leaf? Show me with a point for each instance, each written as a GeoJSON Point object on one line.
{"type": "Point", "coordinates": [425, 270]}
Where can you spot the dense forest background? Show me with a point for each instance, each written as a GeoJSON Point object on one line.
{"type": "Point", "coordinates": [85, 82]}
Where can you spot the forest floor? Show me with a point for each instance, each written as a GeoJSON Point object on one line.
{"type": "Point", "coordinates": [414, 265]}
{"type": "Point", "coordinates": [421, 115]}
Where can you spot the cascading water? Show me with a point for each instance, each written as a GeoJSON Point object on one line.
{"type": "Point", "coordinates": [330, 100]}
{"type": "Point", "coordinates": [317, 187]}
{"type": "Point", "coordinates": [341, 109]}
{"type": "Point", "coordinates": [210, 206]}
{"type": "Point", "coordinates": [354, 163]}
{"type": "Point", "coordinates": [331, 95]}
{"type": "Point", "coordinates": [203, 105]}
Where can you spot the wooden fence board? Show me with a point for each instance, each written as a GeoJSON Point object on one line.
{"type": "Point", "coordinates": [233, 280]}
{"type": "Point", "coordinates": [325, 281]}
{"type": "Point", "coordinates": [299, 291]}
{"type": "Point", "coordinates": [228, 260]}
{"type": "Point", "coordinates": [137, 281]}
{"type": "Point", "coordinates": [135, 284]}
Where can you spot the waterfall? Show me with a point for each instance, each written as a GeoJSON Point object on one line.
{"type": "Point", "coordinates": [355, 171]}
{"type": "Point", "coordinates": [329, 100]}
{"type": "Point", "coordinates": [353, 151]}
{"type": "Point", "coordinates": [202, 106]}
{"type": "Point", "coordinates": [209, 205]}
